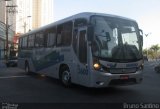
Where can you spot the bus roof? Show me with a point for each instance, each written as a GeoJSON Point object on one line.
{"type": "Point", "coordinates": [86, 15]}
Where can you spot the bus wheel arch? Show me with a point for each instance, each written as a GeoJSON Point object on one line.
{"type": "Point", "coordinates": [65, 75]}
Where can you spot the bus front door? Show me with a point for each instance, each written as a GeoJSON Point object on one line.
{"type": "Point", "coordinates": [82, 56]}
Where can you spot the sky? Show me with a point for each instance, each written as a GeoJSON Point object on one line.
{"type": "Point", "coordinates": [145, 12]}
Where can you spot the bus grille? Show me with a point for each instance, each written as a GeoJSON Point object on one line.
{"type": "Point", "coordinates": [123, 71]}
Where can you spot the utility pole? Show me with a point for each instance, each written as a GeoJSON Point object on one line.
{"type": "Point", "coordinates": [9, 9]}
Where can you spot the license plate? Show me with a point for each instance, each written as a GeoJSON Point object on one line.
{"type": "Point", "coordinates": [124, 77]}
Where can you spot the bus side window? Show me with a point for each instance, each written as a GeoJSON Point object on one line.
{"type": "Point", "coordinates": [20, 43]}
{"type": "Point", "coordinates": [39, 41]}
{"type": "Point", "coordinates": [24, 42]}
{"type": "Point", "coordinates": [67, 33]}
{"type": "Point", "coordinates": [75, 39]}
{"type": "Point", "coordinates": [59, 31]}
{"type": "Point", "coordinates": [64, 34]}
{"type": "Point", "coordinates": [59, 38]}
{"type": "Point", "coordinates": [31, 41]}
{"type": "Point", "coordinates": [51, 37]}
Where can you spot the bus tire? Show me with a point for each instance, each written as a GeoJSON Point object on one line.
{"type": "Point", "coordinates": [65, 76]}
{"type": "Point", "coordinates": [27, 70]}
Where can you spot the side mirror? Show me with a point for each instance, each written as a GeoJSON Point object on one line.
{"type": "Point", "coordinates": [141, 36]}
{"type": "Point", "coordinates": [90, 33]}
{"type": "Point", "coordinates": [141, 32]}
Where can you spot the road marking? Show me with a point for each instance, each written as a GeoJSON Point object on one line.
{"type": "Point", "coordinates": [7, 77]}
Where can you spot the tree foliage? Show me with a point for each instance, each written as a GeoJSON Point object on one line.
{"type": "Point", "coordinates": [153, 52]}
{"type": "Point", "coordinates": [155, 48]}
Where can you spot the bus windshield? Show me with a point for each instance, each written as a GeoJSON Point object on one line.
{"type": "Point", "coordinates": [116, 39]}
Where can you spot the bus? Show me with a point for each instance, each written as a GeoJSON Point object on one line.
{"type": "Point", "coordinates": [88, 49]}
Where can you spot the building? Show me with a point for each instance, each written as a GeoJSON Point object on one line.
{"type": "Point", "coordinates": [12, 13]}
{"type": "Point", "coordinates": [22, 18]}
{"type": "Point", "coordinates": [11, 29]}
{"type": "Point", "coordinates": [2, 39]}
{"type": "Point", "coordinates": [33, 14]}
{"type": "Point", "coordinates": [14, 46]}
{"type": "Point", "coordinates": [42, 13]}
{"type": "Point", "coordinates": [2, 28]}
{"type": "Point", "coordinates": [2, 11]}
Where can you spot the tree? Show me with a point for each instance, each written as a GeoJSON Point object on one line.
{"type": "Point", "coordinates": [151, 54]}
{"type": "Point", "coordinates": [145, 52]}
{"type": "Point", "coordinates": [155, 49]}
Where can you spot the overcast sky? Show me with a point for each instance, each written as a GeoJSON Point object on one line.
{"type": "Point", "coordinates": [145, 12]}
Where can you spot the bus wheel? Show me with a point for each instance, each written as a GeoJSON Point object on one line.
{"type": "Point", "coordinates": [65, 77]}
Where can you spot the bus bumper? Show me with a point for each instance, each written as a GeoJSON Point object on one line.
{"type": "Point", "coordinates": [102, 79]}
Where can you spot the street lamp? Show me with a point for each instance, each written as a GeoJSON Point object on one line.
{"type": "Point", "coordinates": [25, 24]}
{"type": "Point", "coordinates": [29, 22]}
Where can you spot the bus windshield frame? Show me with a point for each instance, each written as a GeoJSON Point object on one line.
{"type": "Point", "coordinates": [116, 39]}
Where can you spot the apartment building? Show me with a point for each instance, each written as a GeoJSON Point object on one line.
{"type": "Point", "coordinates": [33, 14]}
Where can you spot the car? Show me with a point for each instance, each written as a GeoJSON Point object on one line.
{"type": "Point", "coordinates": [145, 58]}
{"type": "Point", "coordinates": [157, 68]}
{"type": "Point", "coordinates": [12, 62]}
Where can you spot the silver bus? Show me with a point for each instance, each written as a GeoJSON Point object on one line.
{"type": "Point", "coordinates": [89, 49]}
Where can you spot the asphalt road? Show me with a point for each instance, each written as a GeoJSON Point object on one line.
{"type": "Point", "coordinates": [17, 87]}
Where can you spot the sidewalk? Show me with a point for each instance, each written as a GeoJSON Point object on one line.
{"type": "Point", "coordinates": [2, 64]}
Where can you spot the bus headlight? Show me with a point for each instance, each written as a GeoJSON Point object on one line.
{"type": "Point", "coordinates": [97, 66]}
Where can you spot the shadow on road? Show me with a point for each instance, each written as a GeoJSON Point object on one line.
{"type": "Point", "coordinates": [117, 90]}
